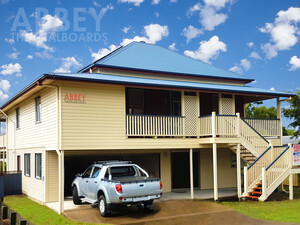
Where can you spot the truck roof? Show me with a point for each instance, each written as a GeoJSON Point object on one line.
{"type": "Point", "coordinates": [111, 162]}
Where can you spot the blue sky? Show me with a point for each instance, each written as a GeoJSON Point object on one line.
{"type": "Point", "coordinates": [259, 39]}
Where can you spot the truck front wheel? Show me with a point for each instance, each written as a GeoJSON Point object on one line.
{"type": "Point", "coordinates": [102, 205]}
{"type": "Point", "coordinates": [76, 199]}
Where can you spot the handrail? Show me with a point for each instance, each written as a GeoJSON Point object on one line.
{"type": "Point", "coordinates": [258, 118]}
{"type": "Point", "coordinates": [155, 115]}
{"type": "Point", "coordinates": [204, 116]}
{"type": "Point", "coordinates": [226, 115]}
{"type": "Point", "coordinates": [277, 158]}
{"type": "Point", "coordinates": [255, 131]}
{"type": "Point", "coordinates": [259, 157]}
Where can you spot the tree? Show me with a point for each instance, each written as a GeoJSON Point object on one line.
{"type": "Point", "coordinates": [293, 113]}
{"type": "Point", "coordinates": [260, 112]}
{"type": "Point", "coordinates": [287, 132]}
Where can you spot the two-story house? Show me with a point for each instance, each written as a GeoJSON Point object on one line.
{"type": "Point", "coordinates": [179, 118]}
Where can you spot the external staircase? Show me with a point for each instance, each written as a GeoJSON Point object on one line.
{"type": "Point", "coordinates": [267, 166]}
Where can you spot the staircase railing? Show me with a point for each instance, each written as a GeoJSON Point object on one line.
{"type": "Point", "coordinates": [274, 174]}
{"type": "Point", "coordinates": [253, 173]}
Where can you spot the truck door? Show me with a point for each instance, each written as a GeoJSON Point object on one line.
{"type": "Point", "coordinates": [92, 186]}
{"type": "Point", "coordinates": [85, 181]}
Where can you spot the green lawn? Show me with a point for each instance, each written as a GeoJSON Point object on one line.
{"type": "Point", "coordinates": [285, 211]}
{"type": "Point", "coordinates": [36, 213]}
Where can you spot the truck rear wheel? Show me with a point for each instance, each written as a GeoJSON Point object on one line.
{"type": "Point", "coordinates": [102, 206]}
{"type": "Point", "coordinates": [76, 199]}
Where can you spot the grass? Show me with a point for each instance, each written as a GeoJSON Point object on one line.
{"type": "Point", "coordinates": [285, 211]}
{"type": "Point", "coordinates": [36, 213]}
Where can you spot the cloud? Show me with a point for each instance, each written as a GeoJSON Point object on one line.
{"type": "Point", "coordinates": [102, 52]}
{"type": "Point", "coordinates": [10, 41]}
{"type": "Point", "coordinates": [236, 69]}
{"type": "Point", "coordinates": [135, 2]}
{"type": "Point", "coordinates": [272, 89]}
{"type": "Point", "coordinates": [48, 25]}
{"type": "Point", "coordinates": [153, 33]}
{"type": "Point", "coordinates": [5, 85]}
{"type": "Point", "coordinates": [3, 96]}
{"type": "Point", "coordinates": [126, 29]}
{"type": "Point", "coordinates": [29, 56]}
{"type": "Point", "coordinates": [209, 13]}
{"type": "Point", "coordinates": [10, 69]}
{"type": "Point", "coordinates": [246, 64]}
{"type": "Point", "coordinates": [155, 2]}
{"type": "Point", "coordinates": [250, 44]}
{"type": "Point", "coordinates": [295, 63]}
{"type": "Point", "coordinates": [67, 64]}
{"type": "Point", "coordinates": [207, 50]}
{"type": "Point", "coordinates": [156, 14]}
{"type": "Point", "coordinates": [13, 55]}
{"type": "Point", "coordinates": [173, 47]}
{"type": "Point", "coordinates": [173, 1]}
{"type": "Point", "coordinates": [44, 54]}
{"type": "Point", "coordinates": [191, 32]}
{"type": "Point", "coordinates": [254, 55]}
{"type": "Point", "coordinates": [284, 32]}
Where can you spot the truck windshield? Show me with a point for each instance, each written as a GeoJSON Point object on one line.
{"type": "Point", "coordinates": [122, 171]}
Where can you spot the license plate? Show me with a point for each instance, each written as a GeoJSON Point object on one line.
{"type": "Point", "coordinates": [138, 199]}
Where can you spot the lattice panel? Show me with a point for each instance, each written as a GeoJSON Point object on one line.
{"type": "Point", "coordinates": [191, 115]}
{"type": "Point", "coordinates": [227, 106]}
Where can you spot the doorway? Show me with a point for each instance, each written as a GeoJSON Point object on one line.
{"type": "Point", "coordinates": [181, 169]}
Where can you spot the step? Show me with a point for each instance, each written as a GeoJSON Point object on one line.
{"type": "Point", "coordinates": [259, 184]}
{"type": "Point", "coordinates": [259, 188]}
{"type": "Point", "coordinates": [252, 197]}
{"type": "Point", "coordinates": [255, 192]}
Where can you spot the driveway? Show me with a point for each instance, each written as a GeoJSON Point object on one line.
{"type": "Point", "coordinates": [169, 212]}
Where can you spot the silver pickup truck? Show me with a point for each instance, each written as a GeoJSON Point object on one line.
{"type": "Point", "coordinates": [113, 183]}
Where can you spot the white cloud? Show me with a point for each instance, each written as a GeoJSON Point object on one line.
{"type": "Point", "coordinates": [295, 63]}
{"type": "Point", "coordinates": [284, 32]}
{"type": "Point", "coordinates": [103, 52]}
{"type": "Point", "coordinates": [236, 69]}
{"type": "Point", "coordinates": [13, 55]}
{"type": "Point", "coordinates": [44, 54]}
{"type": "Point", "coordinates": [96, 4]}
{"type": "Point", "coordinates": [272, 89]}
{"type": "Point", "coordinates": [126, 29]}
{"type": "Point", "coordinates": [10, 69]}
{"type": "Point", "coordinates": [48, 25]}
{"type": "Point", "coordinates": [207, 50]}
{"type": "Point", "coordinates": [173, 47]}
{"type": "Point", "coordinates": [3, 96]}
{"type": "Point", "coordinates": [173, 1]}
{"type": "Point", "coordinates": [254, 55]}
{"type": "Point", "coordinates": [246, 64]}
{"type": "Point", "coordinates": [155, 2]}
{"type": "Point", "coordinates": [135, 2]}
{"type": "Point", "coordinates": [29, 56]}
{"type": "Point", "coordinates": [5, 85]}
{"type": "Point", "coordinates": [153, 33]}
{"type": "Point", "coordinates": [250, 44]}
{"type": "Point", "coordinates": [67, 64]}
{"type": "Point", "coordinates": [10, 41]}
{"type": "Point", "coordinates": [209, 13]}
{"type": "Point", "coordinates": [191, 32]}
{"type": "Point", "coordinates": [156, 14]}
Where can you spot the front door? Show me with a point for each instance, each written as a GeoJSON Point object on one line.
{"type": "Point", "coordinates": [191, 113]}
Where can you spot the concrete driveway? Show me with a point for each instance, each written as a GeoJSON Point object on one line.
{"type": "Point", "coordinates": [169, 212]}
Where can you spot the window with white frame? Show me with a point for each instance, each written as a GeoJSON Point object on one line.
{"type": "Point", "coordinates": [17, 118]}
{"type": "Point", "coordinates": [27, 164]}
{"type": "Point", "coordinates": [38, 165]}
{"type": "Point", "coordinates": [38, 115]}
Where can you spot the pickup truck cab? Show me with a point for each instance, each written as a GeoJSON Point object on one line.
{"type": "Point", "coordinates": [113, 183]}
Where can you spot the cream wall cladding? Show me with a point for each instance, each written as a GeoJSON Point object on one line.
{"type": "Point", "coordinates": [51, 176]}
{"type": "Point", "coordinates": [226, 174]}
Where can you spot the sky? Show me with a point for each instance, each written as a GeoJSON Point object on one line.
{"type": "Point", "coordinates": [255, 38]}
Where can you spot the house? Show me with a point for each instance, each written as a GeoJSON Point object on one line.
{"type": "Point", "coordinates": [179, 118]}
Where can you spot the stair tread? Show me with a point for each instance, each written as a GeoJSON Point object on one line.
{"type": "Point", "coordinates": [259, 184]}
{"type": "Point", "coordinates": [255, 192]}
{"type": "Point", "coordinates": [260, 188]}
{"type": "Point", "coordinates": [251, 196]}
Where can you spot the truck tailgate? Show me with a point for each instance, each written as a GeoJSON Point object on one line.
{"type": "Point", "coordinates": [139, 186]}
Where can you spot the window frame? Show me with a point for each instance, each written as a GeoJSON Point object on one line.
{"type": "Point", "coordinates": [38, 166]}
{"type": "Point", "coordinates": [17, 118]}
{"type": "Point", "coordinates": [27, 162]}
{"type": "Point", "coordinates": [38, 109]}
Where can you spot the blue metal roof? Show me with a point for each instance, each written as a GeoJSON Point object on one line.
{"type": "Point", "coordinates": [153, 58]}
{"type": "Point", "coordinates": [106, 78]}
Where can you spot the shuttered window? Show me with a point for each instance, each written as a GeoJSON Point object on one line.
{"type": "Point", "coordinates": [18, 118]}
{"type": "Point", "coordinates": [38, 115]}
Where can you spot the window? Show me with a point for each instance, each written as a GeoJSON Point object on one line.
{"type": "Point", "coordinates": [38, 165]}
{"type": "Point", "coordinates": [27, 164]}
{"type": "Point", "coordinates": [96, 172]}
{"type": "Point", "coordinates": [87, 173]}
{"type": "Point", "coordinates": [18, 118]}
{"type": "Point", "coordinates": [38, 117]}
